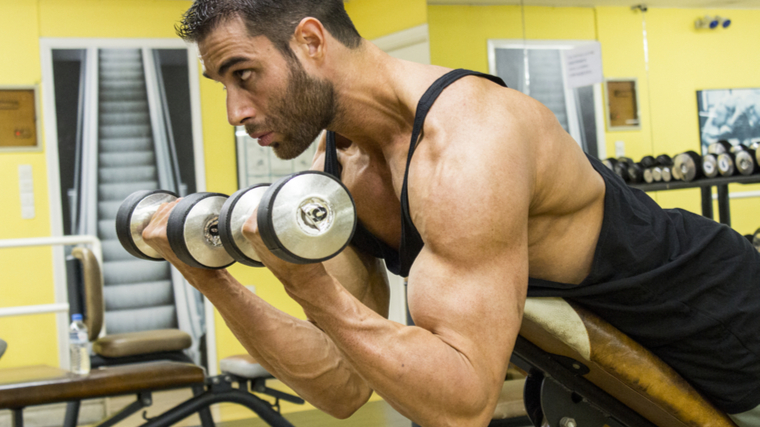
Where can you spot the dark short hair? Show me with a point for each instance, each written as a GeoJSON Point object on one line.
{"type": "Point", "coordinates": [274, 19]}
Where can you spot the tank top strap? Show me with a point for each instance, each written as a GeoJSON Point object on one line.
{"type": "Point", "coordinates": [411, 241]}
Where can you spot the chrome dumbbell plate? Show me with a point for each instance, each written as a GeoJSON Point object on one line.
{"type": "Point", "coordinates": [307, 217]}
{"type": "Point", "coordinates": [134, 215]}
{"type": "Point", "coordinates": [193, 231]}
{"type": "Point", "coordinates": [235, 212]}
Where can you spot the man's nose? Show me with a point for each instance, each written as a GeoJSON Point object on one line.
{"type": "Point", "coordinates": [239, 107]}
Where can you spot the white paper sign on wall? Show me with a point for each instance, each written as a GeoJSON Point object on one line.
{"type": "Point", "coordinates": [583, 66]}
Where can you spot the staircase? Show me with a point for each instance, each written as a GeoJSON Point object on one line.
{"type": "Point", "coordinates": [138, 294]}
{"type": "Point", "coordinates": [546, 83]}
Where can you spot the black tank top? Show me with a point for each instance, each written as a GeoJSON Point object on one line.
{"type": "Point", "coordinates": [399, 261]}
{"type": "Point", "coordinates": [685, 287]}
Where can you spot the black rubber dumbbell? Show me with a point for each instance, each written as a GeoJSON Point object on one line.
{"type": "Point", "coordinates": [636, 171]}
{"type": "Point", "coordinates": [303, 218]}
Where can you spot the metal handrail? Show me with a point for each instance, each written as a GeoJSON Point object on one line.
{"type": "Point", "coordinates": [88, 192]}
{"type": "Point", "coordinates": [97, 250]}
{"type": "Point", "coordinates": [173, 159]}
{"type": "Point", "coordinates": [74, 201]}
{"type": "Point", "coordinates": [166, 178]}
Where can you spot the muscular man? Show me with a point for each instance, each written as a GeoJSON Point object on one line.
{"type": "Point", "coordinates": [496, 202]}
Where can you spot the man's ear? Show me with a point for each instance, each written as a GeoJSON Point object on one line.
{"type": "Point", "coordinates": [309, 37]}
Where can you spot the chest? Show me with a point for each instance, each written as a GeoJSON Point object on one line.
{"type": "Point", "coordinates": [375, 186]}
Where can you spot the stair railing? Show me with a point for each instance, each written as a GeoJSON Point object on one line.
{"type": "Point", "coordinates": [168, 176]}
{"type": "Point", "coordinates": [73, 193]}
{"type": "Point", "coordinates": [88, 190]}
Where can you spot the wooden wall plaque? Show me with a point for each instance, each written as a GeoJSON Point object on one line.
{"type": "Point", "coordinates": [622, 104]}
{"type": "Point", "coordinates": [18, 118]}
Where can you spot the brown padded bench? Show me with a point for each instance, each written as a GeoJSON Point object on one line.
{"type": "Point", "coordinates": [616, 364]}
{"type": "Point", "coordinates": [39, 385]}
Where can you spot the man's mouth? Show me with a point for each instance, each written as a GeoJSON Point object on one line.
{"type": "Point", "coordinates": [265, 139]}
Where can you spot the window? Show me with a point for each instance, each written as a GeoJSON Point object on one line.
{"type": "Point", "coordinates": [536, 68]}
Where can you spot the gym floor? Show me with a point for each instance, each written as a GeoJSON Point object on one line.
{"type": "Point", "coordinates": [373, 414]}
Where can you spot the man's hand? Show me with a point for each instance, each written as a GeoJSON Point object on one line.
{"type": "Point", "coordinates": [155, 236]}
{"type": "Point", "coordinates": [295, 277]}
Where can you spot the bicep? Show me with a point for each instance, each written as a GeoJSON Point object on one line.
{"type": "Point", "coordinates": [469, 283]}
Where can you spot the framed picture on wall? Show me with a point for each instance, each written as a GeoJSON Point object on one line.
{"type": "Point", "coordinates": [622, 104]}
{"type": "Point", "coordinates": [19, 110]}
{"type": "Point", "coordinates": [728, 114]}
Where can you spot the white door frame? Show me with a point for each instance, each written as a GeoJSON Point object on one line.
{"type": "Point", "coordinates": [54, 183]}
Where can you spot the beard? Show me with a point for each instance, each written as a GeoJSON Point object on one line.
{"type": "Point", "coordinates": [307, 107]}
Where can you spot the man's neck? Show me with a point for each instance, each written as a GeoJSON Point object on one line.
{"type": "Point", "coordinates": [374, 104]}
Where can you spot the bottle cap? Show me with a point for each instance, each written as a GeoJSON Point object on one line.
{"type": "Point", "coordinates": [76, 317]}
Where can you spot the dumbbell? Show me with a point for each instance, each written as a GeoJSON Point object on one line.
{"type": "Point", "coordinates": [710, 165]}
{"type": "Point", "coordinates": [746, 161]}
{"type": "Point", "coordinates": [666, 167]}
{"type": "Point", "coordinates": [621, 168]}
{"type": "Point", "coordinates": [719, 147]}
{"type": "Point", "coordinates": [689, 165]}
{"type": "Point", "coordinates": [726, 164]}
{"type": "Point", "coordinates": [302, 218]}
{"type": "Point", "coordinates": [133, 217]}
{"type": "Point", "coordinates": [636, 170]}
{"type": "Point", "coordinates": [192, 228]}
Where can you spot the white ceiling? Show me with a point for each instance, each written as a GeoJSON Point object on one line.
{"type": "Point", "coordinates": [694, 4]}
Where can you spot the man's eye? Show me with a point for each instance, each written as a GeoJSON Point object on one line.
{"type": "Point", "coordinates": [243, 75]}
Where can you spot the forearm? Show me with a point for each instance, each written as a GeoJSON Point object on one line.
{"type": "Point", "coordinates": [424, 377]}
{"type": "Point", "coordinates": [293, 350]}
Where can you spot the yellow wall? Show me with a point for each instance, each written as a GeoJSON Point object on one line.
{"type": "Point", "coordinates": [682, 60]}
{"type": "Point", "coordinates": [20, 284]}
{"type": "Point", "coordinates": [374, 18]}
{"type": "Point", "coordinates": [27, 277]}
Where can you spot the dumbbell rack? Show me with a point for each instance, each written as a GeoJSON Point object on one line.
{"type": "Point", "coordinates": [706, 185]}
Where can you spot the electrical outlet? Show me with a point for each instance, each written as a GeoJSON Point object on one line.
{"type": "Point", "coordinates": [619, 148]}
{"type": "Point", "coordinates": [251, 288]}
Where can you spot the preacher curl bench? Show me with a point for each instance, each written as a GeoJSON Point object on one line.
{"type": "Point", "coordinates": [581, 371]}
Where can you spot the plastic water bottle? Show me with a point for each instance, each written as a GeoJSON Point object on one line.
{"type": "Point", "coordinates": [78, 340]}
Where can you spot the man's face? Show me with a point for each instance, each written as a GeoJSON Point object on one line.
{"type": "Point", "coordinates": [268, 93]}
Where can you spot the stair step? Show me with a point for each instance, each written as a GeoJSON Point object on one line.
{"type": "Point", "coordinates": [126, 159]}
{"type": "Point", "coordinates": [107, 229]}
{"type": "Point", "coordinates": [120, 191]}
{"type": "Point", "coordinates": [107, 210]}
{"type": "Point", "coordinates": [121, 75]}
{"type": "Point", "coordinates": [111, 66]}
{"type": "Point", "coordinates": [138, 295]}
{"type": "Point", "coordinates": [124, 131]}
{"type": "Point", "coordinates": [119, 53]}
{"type": "Point", "coordinates": [113, 251]}
{"type": "Point", "coordinates": [135, 271]}
{"type": "Point", "coordinates": [143, 319]}
{"type": "Point", "coordinates": [127, 174]}
{"type": "Point", "coordinates": [113, 84]}
{"type": "Point", "coordinates": [121, 95]}
{"type": "Point", "coordinates": [107, 107]}
{"type": "Point", "coordinates": [109, 145]}
{"type": "Point", "coordinates": [111, 119]}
